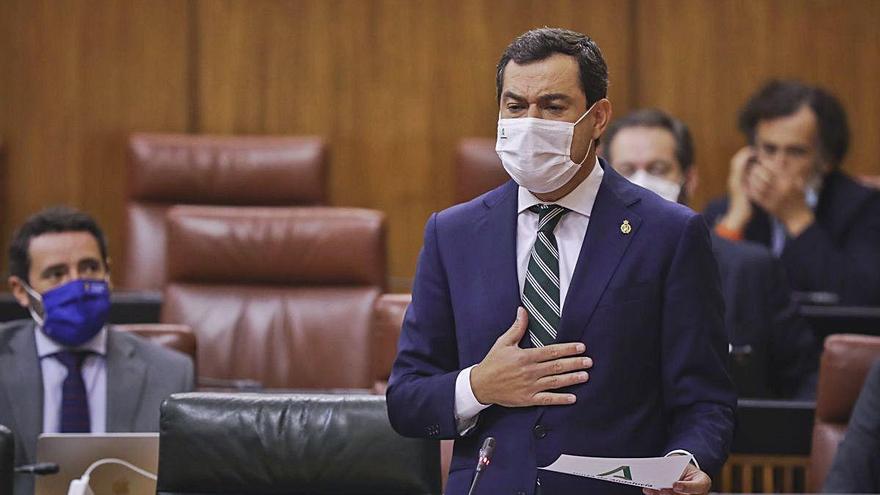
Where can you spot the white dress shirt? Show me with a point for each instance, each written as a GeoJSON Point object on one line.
{"type": "Point", "coordinates": [94, 371]}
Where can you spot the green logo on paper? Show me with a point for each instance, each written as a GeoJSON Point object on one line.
{"type": "Point", "coordinates": [624, 471]}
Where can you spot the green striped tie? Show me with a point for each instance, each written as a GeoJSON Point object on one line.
{"type": "Point", "coordinates": [541, 289]}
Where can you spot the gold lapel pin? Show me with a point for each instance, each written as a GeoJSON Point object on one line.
{"type": "Point", "coordinates": [625, 227]}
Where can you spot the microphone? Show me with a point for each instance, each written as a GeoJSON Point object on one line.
{"type": "Point", "coordinates": [39, 468]}
{"type": "Point", "coordinates": [485, 458]}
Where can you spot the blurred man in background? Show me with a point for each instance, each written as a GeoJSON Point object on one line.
{"type": "Point", "coordinates": [65, 370]}
{"type": "Point", "coordinates": [774, 352]}
{"type": "Point", "coordinates": [786, 191]}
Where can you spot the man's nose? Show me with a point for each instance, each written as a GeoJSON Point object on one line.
{"type": "Point", "coordinates": [534, 111]}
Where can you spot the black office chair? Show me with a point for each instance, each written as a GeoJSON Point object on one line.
{"type": "Point", "coordinates": [292, 444]}
{"type": "Point", "coordinates": [7, 459]}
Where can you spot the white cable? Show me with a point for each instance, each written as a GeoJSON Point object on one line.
{"type": "Point", "coordinates": [112, 460]}
{"type": "Point", "coordinates": [80, 486]}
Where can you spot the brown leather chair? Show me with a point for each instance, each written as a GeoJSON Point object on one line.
{"type": "Point", "coordinates": [282, 296]}
{"type": "Point", "coordinates": [844, 366]}
{"type": "Point", "coordinates": [387, 321]}
{"type": "Point", "coordinates": [177, 337]}
{"type": "Point", "coordinates": [477, 168]}
{"type": "Point", "coordinates": [169, 169]}
{"type": "Point", "coordinates": [870, 180]}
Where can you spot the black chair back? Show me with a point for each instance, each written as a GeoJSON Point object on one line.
{"type": "Point", "coordinates": [292, 444]}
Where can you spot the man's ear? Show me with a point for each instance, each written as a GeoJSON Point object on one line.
{"type": "Point", "coordinates": [602, 117]}
{"type": "Point", "coordinates": [691, 181]}
{"type": "Point", "coordinates": [16, 286]}
{"type": "Point", "coordinates": [109, 273]}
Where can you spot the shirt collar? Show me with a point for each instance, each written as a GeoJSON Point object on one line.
{"type": "Point", "coordinates": [47, 346]}
{"type": "Point", "coordinates": [580, 200]}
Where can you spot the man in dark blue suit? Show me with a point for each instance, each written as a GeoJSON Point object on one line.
{"type": "Point", "coordinates": [786, 191]}
{"type": "Point", "coordinates": [775, 354]}
{"type": "Point", "coordinates": [597, 273]}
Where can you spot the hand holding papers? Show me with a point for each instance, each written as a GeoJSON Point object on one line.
{"type": "Point", "coordinates": [647, 472]}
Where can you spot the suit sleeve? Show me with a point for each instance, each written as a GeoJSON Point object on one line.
{"type": "Point", "coordinates": [699, 398]}
{"type": "Point", "coordinates": [850, 269]}
{"type": "Point", "coordinates": [421, 389]}
{"type": "Point", "coordinates": [714, 211]}
{"type": "Point", "coordinates": [856, 467]}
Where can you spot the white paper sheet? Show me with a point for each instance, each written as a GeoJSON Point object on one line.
{"type": "Point", "coordinates": [645, 472]}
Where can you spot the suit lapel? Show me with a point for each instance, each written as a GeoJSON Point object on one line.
{"type": "Point", "coordinates": [22, 381]}
{"type": "Point", "coordinates": [601, 252]}
{"type": "Point", "coordinates": [126, 376]}
{"type": "Point", "coordinates": [495, 235]}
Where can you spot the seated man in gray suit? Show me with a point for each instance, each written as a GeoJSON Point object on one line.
{"type": "Point", "coordinates": [774, 352]}
{"type": "Point", "coordinates": [65, 370]}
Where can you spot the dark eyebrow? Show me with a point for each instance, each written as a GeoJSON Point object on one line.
{"type": "Point", "coordinates": [46, 271]}
{"type": "Point", "coordinates": [553, 97]}
{"type": "Point", "coordinates": [512, 96]}
{"type": "Point", "coordinates": [89, 259]}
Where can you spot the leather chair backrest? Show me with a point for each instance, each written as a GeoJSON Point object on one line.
{"type": "Point", "coordinates": [845, 362]}
{"type": "Point", "coordinates": [387, 322]}
{"type": "Point", "coordinates": [7, 459]}
{"type": "Point", "coordinates": [477, 168]}
{"type": "Point", "coordinates": [169, 169]}
{"type": "Point", "coordinates": [292, 444]}
{"type": "Point", "coordinates": [177, 337]}
{"type": "Point", "coordinates": [282, 296]}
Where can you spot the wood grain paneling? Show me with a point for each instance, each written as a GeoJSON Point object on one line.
{"type": "Point", "coordinates": [702, 59]}
{"type": "Point", "coordinates": [391, 84]}
{"type": "Point", "coordinates": [76, 78]}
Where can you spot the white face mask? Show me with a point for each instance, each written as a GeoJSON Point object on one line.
{"type": "Point", "coordinates": [536, 153]}
{"type": "Point", "coordinates": [665, 188]}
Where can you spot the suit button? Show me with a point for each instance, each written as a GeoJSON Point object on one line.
{"type": "Point", "coordinates": [540, 432]}
{"type": "Point", "coordinates": [520, 493]}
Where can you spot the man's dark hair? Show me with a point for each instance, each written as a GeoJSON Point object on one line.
{"type": "Point", "coordinates": [783, 98]}
{"type": "Point", "coordinates": [51, 220]}
{"type": "Point", "coordinates": [538, 44]}
{"type": "Point", "coordinates": [657, 119]}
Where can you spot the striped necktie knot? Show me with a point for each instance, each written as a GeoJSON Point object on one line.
{"type": "Point", "coordinates": [548, 216]}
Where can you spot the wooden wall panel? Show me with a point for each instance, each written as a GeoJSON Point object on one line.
{"type": "Point", "coordinates": [391, 84]}
{"type": "Point", "coordinates": [701, 60]}
{"type": "Point", "coordinates": [76, 77]}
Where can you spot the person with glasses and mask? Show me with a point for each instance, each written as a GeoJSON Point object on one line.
{"type": "Point", "coordinates": [66, 370]}
{"type": "Point", "coordinates": [773, 351]}
{"type": "Point", "coordinates": [567, 311]}
{"type": "Point", "coordinates": [786, 191]}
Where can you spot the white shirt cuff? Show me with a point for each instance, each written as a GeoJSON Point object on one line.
{"type": "Point", "coordinates": [467, 407]}
{"type": "Point", "coordinates": [684, 452]}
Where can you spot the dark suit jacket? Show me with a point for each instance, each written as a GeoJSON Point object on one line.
{"type": "Point", "coordinates": [647, 305]}
{"type": "Point", "coordinates": [840, 252]}
{"type": "Point", "coordinates": [140, 375]}
{"type": "Point", "coordinates": [856, 467]}
{"type": "Point", "coordinates": [775, 354]}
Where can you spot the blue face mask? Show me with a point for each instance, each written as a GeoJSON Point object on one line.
{"type": "Point", "coordinates": [72, 313]}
